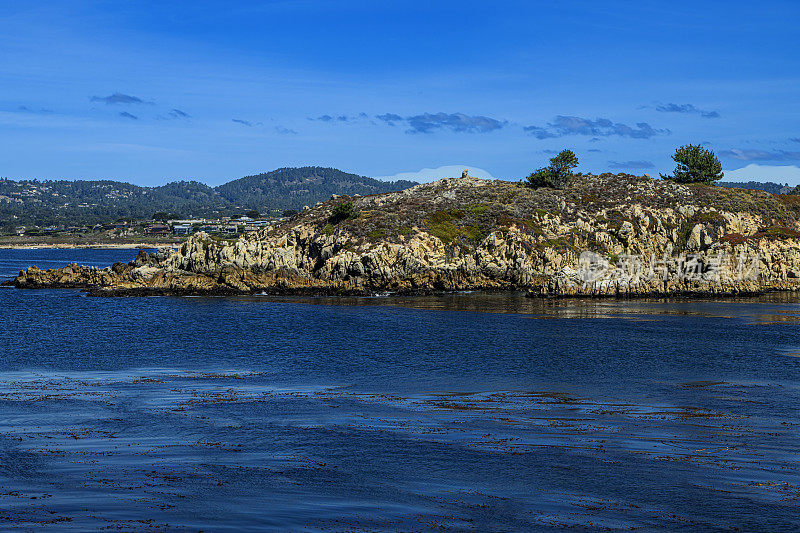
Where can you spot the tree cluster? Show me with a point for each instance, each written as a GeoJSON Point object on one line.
{"type": "Point", "coordinates": [695, 164]}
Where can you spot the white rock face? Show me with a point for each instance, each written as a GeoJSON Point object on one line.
{"type": "Point", "coordinates": [507, 258]}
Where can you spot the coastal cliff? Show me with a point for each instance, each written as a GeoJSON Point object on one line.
{"type": "Point", "coordinates": [601, 235]}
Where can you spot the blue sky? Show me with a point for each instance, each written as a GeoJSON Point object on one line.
{"type": "Point", "coordinates": [151, 92]}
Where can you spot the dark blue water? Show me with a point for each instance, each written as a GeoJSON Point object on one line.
{"type": "Point", "coordinates": [466, 412]}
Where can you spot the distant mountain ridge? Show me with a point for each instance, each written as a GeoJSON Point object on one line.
{"type": "Point", "coordinates": [61, 202]}
{"type": "Point", "coordinates": [769, 186]}
{"type": "Point", "coordinates": [291, 188]}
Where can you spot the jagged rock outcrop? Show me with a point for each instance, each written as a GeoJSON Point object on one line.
{"type": "Point", "coordinates": [603, 235]}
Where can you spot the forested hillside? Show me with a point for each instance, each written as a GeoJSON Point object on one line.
{"type": "Point", "coordinates": [45, 203]}
{"type": "Point", "coordinates": [769, 186]}
{"type": "Point", "coordinates": [290, 188]}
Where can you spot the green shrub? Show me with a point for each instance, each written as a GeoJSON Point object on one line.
{"type": "Point", "coordinates": [780, 232]}
{"type": "Point", "coordinates": [733, 238]}
{"type": "Point", "coordinates": [376, 234]}
{"type": "Point", "coordinates": [559, 243]}
{"type": "Point", "coordinates": [542, 177]}
{"type": "Point", "coordinates": [555, 175]}
{"type": "Point", "coordinates": [473, 233]}
{"type": "Point", "coordinates": [477, 209]}
{"type": "Point", "coordinates": [445, 231]}
{"type": "Point", "coordinates": [446, 215]}
{"type": "Point", "coordinates": [343, 211]}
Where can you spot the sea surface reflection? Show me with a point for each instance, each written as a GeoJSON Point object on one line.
{"type": "Point", "coordinates": [458, 412]}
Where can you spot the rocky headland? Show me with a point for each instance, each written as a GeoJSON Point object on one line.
{"type": "Point", "coordinates": [602, 235]}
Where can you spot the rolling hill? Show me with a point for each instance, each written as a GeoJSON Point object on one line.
{"type": "Point", "coordinates": [50, 202]}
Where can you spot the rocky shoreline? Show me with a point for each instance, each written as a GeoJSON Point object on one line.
{"type": "Point", "coordinates": [604, 236]}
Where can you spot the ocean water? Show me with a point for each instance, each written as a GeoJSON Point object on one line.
{"type": "Point", "coordinates": [462, 412]}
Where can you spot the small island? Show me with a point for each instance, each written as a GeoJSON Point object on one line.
{"type": "Point", "coordinates": [558, 234]}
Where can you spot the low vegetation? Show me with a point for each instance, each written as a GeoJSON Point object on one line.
{"type": "Point", "coordinates": [462, 216]}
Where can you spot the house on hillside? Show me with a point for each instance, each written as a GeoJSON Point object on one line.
{"type": "Point", "coordinates": [182, 229]}
{"type": "Point", "coordinates": [157, 229]}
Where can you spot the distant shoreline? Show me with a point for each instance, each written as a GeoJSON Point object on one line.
{"type": "Point", "coordinates": [96, 246]}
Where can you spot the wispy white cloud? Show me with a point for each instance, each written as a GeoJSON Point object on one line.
{"type": "Point", "coordinates": [177, 113]}
{"type": "Point", "coordinates": [564, 125]}
{"type": "Point", "coordinates": [244, 122]}
{"type": "Point", "coordinates": [119, 98]}
{"type": "Point", "coordinates": [456, 122]}
{"type": "Point", "coordinates": [686, 108]}
{"type": "Point", "coordinates": [761, 155]}
{"type": "Point", "coordinates": [634, 164]}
